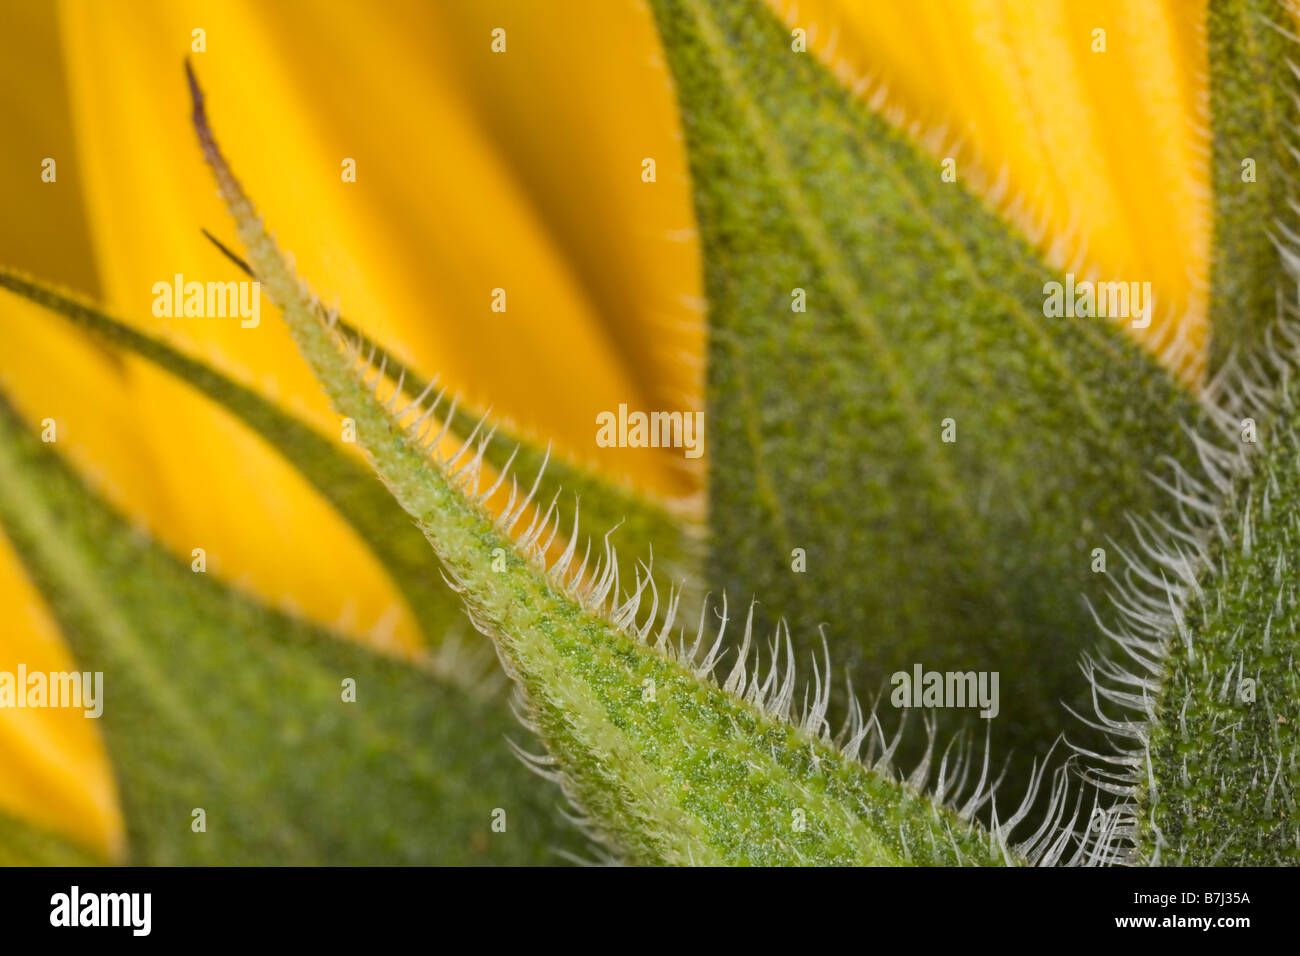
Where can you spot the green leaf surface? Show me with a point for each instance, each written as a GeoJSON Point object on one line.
{"type": "Point", "coordinates": [826, 425]}
{"type": "Point", "coordinates": [215, 702]}
{"type": "Point", "coordinates": [666, 765]}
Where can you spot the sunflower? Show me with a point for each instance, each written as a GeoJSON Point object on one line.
{"type": "Point", "coordinates": [500, 195]}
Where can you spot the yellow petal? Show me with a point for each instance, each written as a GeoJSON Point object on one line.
{"type": "Point", "coordinates": [56, 773]}
{"type": "Point", "coordinates": [449, 204]}
{"type": "Point", "coordinates": [45, 225]}
{"type": "Point", "coordinates": [475, 171]}
{"type": "Point", "coordinates": [1106, 150]}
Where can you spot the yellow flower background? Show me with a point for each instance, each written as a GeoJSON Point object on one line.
{"type": "Point", "coordinates": [478, 171]}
